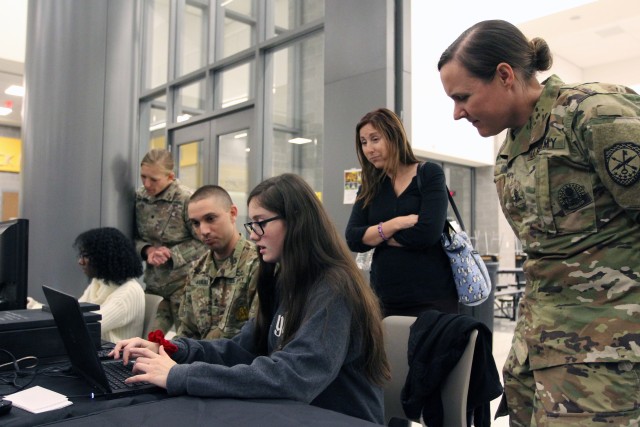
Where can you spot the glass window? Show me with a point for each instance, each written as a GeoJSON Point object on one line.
{"type": "Point", "coordinates": [190, 164]}
{"type": "Point", "coordinates": [459, 184]}
{"type": "Point", "coordinates": [178, 37]}
{"type": "Point", "coordinates": [243, 7]}
{"type": "Point", "coordinates": [157, 43]}
{"type": "Point", "coordinates": [290, 14]}
{"type": "Point", "coordinates": [153, 121]}
{"type": "Point", "coordinates": [233, 174]}
{"type": "Point", "coordinates": [190, 101]}
{"type": "Point", "coordinates": [297, 96]}
{"type": "Point", "coordinates": [235, 85]}
{"type": "Point", "coordinates": [193, 39]}
{"type": "Point", "coordinates": [238, 32]}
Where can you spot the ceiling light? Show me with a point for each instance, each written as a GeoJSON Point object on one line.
{"type": "Point", "coordinates": [300, 141]}
{"type": "Point", "coordinates": [4, 111]}
{"type": "Point", "coordinates": [240, 135]}
{"type": "Point", "coordinates": [157, 126]}
{"type": "Point", "coordinates": [183, 117]}
{"type": "Point", "coordinates": [15, 90]}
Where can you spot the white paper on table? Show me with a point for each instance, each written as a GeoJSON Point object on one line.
{"type": "Point", "coordinates": [38, 399]}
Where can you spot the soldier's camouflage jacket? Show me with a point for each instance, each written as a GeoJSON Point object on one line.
{"type": "Point", "coordinates": [219, 300]}
{"type": "Point", "coordinates": [163, 221]}
{"type": "Point", "coordinates": [569, 185]}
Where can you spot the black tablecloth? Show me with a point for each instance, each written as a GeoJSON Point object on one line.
{"type": "Point", "coordinates": [158, 409]}
{"type": "Point", "coordinates": [75, 388]}
{"type": "Point", "coordinates": [195, 411]}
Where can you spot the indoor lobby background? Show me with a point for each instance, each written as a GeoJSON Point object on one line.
{"type": "Point", "coordinates": [241, 90]}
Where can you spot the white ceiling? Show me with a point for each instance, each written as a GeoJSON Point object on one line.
{"type": "Point", "coordinates": [601, 32]}
{"type": "Point", "coordinates": [598, 33]}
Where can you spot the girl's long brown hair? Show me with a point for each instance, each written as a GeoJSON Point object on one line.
{"type": "Point", "coordinates": [314, 254]}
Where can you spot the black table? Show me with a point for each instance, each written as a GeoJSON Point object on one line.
{"type": "Point", "coordinates": [517, 272]}
{"type": "Point", "coordinates": [195, 411]}
{"type": "Point", "coordinates": [507, 297]}
{"type": "Point", "coordinates": [75, 388]}
{"type": "Point", "coordinates": [158, 409]}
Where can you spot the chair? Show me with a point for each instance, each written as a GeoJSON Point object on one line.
{"type": "Point", "coordinates": [151, 303]}
{"type": "Point", "coordinates": [456, 387]}
{"type": "Point", "coordinates": [454, 390]}
{"type": "Point", "coordinates": [396, 341]}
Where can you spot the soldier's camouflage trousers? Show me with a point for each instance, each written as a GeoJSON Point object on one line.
{"type": "Point", "coordinates": [592, 394]}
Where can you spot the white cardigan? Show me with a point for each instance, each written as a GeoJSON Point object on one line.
{"type": "Point", "coordinates": [121, 307]}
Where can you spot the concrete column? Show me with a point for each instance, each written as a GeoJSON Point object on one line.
{"type": "Point", "coordinates": [78, 127]}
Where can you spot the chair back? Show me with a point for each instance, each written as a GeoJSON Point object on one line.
{"type": "Point", "coordinates": [151, 303]}
{"type": "Point", "coordinates": [396, 342]}
{"type": "Point", "coordinates": [456, 387]}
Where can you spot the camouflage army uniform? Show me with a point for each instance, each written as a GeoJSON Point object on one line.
{"type": "Point", "coordinates": [163, 221]}
{"type": "Point", "coordinates": [569, 185]}
{"type": "Point", "coordinates": [218, 300]}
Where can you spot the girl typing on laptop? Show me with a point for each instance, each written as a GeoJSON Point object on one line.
{"type": "Point", "coordinates": [317, 337]}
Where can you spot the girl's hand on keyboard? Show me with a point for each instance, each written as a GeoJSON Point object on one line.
{"type": "Point", "coordinates": [123, 348]}
{"type": "Point", "coordinates": [150, 366]}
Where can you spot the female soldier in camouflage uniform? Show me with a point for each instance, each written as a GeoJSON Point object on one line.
{"type": "Point", "coordinates": [568, 180]}
{"type": "Point", "coordinates": [164, 236]}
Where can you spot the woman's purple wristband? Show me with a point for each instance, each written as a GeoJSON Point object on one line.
{"type": "Point", "coordinates": [381, 233]}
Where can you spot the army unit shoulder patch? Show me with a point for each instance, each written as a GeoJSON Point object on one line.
{"type": "Point", "coordinates": [573, 196]}
{"type": "Point", "coordinates": [622, 161]}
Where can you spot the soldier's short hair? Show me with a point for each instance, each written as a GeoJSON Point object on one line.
{"type": "Point", "coordinates": [213, 192]}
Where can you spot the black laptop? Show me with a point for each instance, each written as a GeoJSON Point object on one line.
{"type": "Point", "coordinates": [105, 375]}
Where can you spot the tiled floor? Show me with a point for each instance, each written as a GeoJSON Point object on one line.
{"type": "Point", "coordinates": [502, 335]}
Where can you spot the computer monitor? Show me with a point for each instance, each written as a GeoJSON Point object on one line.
{"type": "Point", "coordinates": [14, 252]}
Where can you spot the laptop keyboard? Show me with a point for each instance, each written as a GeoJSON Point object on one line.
{"type": "Point", "coordinates": [103, 353]}
{"type": "Point", "coordinates": [116, 373]}
{"type": "Point", "coordinates": [105, 349]}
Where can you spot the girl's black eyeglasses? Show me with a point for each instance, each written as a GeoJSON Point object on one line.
{"type": "Point", "coordinates": [258, 226]}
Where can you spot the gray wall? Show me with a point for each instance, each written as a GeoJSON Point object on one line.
{"type": "Point", "coordinates": [77, 137]}
{"type": "Point", "coordinates": [359, 77]}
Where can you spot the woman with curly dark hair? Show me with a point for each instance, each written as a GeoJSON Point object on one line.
{"type": "Point", "coordinates": [110, 260]}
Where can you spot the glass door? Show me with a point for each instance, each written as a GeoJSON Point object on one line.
{"type": "Point", "coordinates": [218, 152]}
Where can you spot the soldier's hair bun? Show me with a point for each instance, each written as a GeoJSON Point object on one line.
{"type": "Point", "coordinates": [542, 58]}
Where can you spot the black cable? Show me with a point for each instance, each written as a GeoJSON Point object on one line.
{"type": "Point", "coordinates": [64, 371]}
{"type": "Point", "coordinates": [17, 371]}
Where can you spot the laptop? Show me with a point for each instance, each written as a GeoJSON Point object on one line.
{"type": "Point", "coordinates": [105, 375]}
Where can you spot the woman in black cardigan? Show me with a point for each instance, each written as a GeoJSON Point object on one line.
{"type": "Point", "coordinates": [403, 222]}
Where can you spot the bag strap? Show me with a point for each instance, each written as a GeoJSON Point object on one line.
{"type": "Point", "coordinates": [451, 202]}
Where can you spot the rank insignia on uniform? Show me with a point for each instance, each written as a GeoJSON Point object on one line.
{"type": "Point", "coordinates": [573, 196]}
{"type": "Point", "coordinates": [242, 314]}
{"type": "Point", "coordinates": [622, 161]}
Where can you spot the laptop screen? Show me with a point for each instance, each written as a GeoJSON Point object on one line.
{"type": "Point", "coordinates": [75, 336]}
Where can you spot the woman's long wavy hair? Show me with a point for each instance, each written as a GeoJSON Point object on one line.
{"type": "Point", "coordinates": [112, 256]}
{"type": "Point", "coordinates": [398, 151]}
{"type": "Point", "coordinates": [313, 254]}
